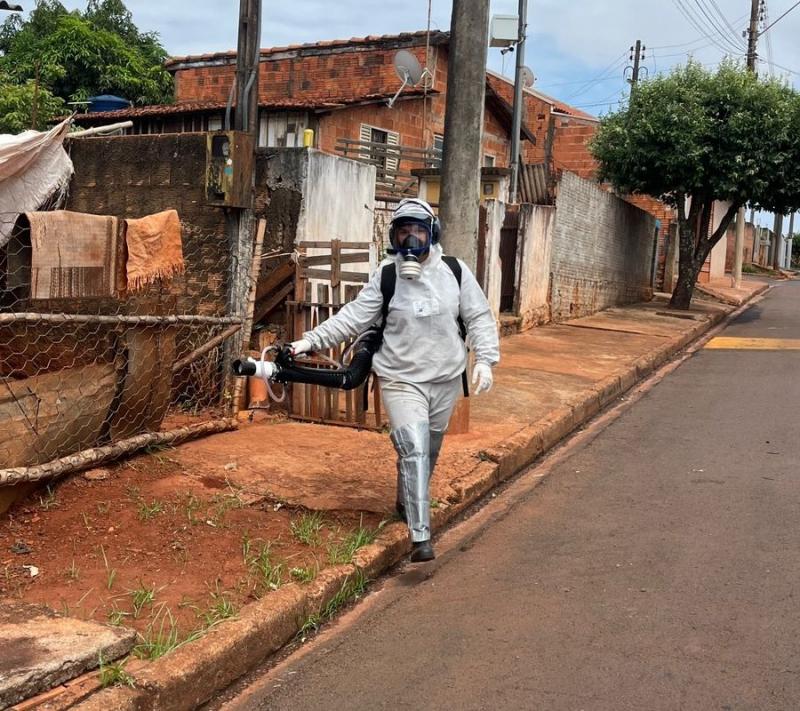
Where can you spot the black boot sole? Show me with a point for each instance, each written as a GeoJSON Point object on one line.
{"type": "Point", "coordinates": [422, 552]}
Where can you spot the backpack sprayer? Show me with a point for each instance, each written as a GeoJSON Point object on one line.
{"type": "Point", "coordinates": [284, 369]}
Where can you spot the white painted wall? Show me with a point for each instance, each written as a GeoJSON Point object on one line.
{"type": "Point", "coordinates": [493, 269]}
{"type": "Point", "coordinates": [533, 263]}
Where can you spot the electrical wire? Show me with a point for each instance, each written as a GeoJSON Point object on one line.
{"type": "Point", "coordinates": [618, 62]}
{"type": "Point", "coordinates": [699, 27]}
{"type": "Point", "coordinates": [713, 22]}
{"type": "Point", "coordinates": [710, 22]}
{"type": "Point", "coordinates": [770, 26]}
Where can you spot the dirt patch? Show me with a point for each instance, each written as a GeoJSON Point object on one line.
{"type": "Point", "coordinates": [155, 547]}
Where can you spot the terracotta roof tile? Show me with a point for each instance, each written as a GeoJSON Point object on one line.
{"type": "Point", "coordinates": [437, 37]}
{"type": "Point", "coordinates": [185, 107]}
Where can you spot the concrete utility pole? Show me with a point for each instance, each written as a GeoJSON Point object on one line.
{"type": "Point", "coordinates": [777, 241]}
{"type": "Point", "coordinates": [248, 56]}
{"type": "Point", "coordinates": [789, 243]}
{"type": "Point", "coordinates": [752, 45]}
{"type": "Point", "coordinates": [516, 123]}
{"type": "Point", "coordinates": [241, 223]}
{"type": "Point", "coordinates": [637, 56]}
{"type": "Point", "coordinates": [463, 129]}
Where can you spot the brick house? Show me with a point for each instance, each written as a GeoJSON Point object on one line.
{"type": "Point", "coordinates": [340, 89]}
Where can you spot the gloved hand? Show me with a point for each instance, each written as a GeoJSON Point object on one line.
{"type": "Point", "coordinates": [300, 347]}
{"type": "Point", "coordinates": [482, 375]}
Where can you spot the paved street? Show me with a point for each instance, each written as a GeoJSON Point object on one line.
{"type": "Point", "coordinates": [655, 568]}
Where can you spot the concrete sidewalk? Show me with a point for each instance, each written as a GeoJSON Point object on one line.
{"type": "Point", "coordinates": [550, 381]}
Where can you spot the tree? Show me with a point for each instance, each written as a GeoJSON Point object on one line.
{"type": "Point", "coordinates": [25, 106]}
{"type": "Point", "coordinates": [695, 138]}
{"type": "Point", "coordinates": [77, 54]}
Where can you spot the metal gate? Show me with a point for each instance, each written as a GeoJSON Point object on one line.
{"type": "Point", "coordinates": [508, 259]}
{"type": "Point", "coordinates": [324, 292]}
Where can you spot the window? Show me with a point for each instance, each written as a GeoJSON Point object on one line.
{"type": "Point", "coordinates": [215, 123]}
{"type": "Point", "coordinates": [488, 161]}
{"type": "Point", "coordinates": [438, 147]}
{"type": "Point", "coordinates": [386, 163]}
{"type": "Point", "coordinates": [282, 129]}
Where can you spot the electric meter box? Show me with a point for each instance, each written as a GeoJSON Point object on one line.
{"type": "Point", "coordinates": [229, 169]}
{"type": "Point", "coordinates": [504, 30]}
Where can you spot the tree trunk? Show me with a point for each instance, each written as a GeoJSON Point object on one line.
{"type": "Point", "coordinates": [684, 288]}
{"type": "Point", "coordinates": [696, 244]}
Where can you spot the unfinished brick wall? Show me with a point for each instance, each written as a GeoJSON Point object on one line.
{"type": "Point", "coordinates": [602, 252]}
{"type": "Point", "coordinates": [570, 147]}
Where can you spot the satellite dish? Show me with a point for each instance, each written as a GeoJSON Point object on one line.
{"type": "Point", "coordinates": [407, 67]}
{"type": "Point", "coordinates": [526, 77]}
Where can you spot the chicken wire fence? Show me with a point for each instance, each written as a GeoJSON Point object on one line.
{"type": "Point", "coordinates": [85, 363]}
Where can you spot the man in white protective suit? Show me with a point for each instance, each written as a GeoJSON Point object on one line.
{"type": "Point", "coordinates": [428, 302]}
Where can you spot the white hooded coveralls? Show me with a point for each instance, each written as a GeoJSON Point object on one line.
{"type": "Point", "coordinates": [419, 364]}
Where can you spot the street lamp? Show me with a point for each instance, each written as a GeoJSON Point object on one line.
{"type": "Point", "coordinates": [11, 8]}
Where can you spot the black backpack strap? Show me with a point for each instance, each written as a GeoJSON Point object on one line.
{"type": "Point", "coordinates": [388, 283]}
{"type": "Point", "coordinates": [455, 267]}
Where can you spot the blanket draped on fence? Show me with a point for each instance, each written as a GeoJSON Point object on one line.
{"type": "Point", "coordinates": [154, 248]}
{"type": "Point", "coordinates": [74, 255]}
{"type": "Point", "coordinates": [33, 167]}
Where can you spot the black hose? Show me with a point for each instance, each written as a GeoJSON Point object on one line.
{"type": "Point", "coordinates": [345, 379]}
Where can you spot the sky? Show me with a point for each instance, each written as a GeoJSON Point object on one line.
{"type": "Point", "coordinates": [577, 49]}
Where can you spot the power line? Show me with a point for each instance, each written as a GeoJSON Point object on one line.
{"type": "Point", "coordinates": [714, 24]}
{"type": "Point", "coordinates": [725, 19]}
{"type": "Point", "coordinates": [684, 10]}
{"type": "Point", "coordinates": [770, 26]}
{"type": "Point", "coordinates": [618, 62]}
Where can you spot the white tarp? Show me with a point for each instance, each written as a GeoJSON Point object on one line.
{"type": "Point", "coordinates": [33, 167]}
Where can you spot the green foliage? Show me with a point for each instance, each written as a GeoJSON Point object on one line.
{"type": "Point", "coordinates": [723, 134]}
{"type": "Point", "coordinates": [77, 54]}
{"type": "Point", "coordinates": [708, 136]}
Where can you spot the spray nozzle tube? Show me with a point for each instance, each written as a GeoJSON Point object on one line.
{"type": "Point", "coordinates": [284, 369]}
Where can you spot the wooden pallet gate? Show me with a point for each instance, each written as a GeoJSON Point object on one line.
{"type": "Point", "coordinates": [320, 293]}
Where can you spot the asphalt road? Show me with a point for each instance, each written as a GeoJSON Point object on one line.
{"type": "Point", "coordinates": [656, 567]}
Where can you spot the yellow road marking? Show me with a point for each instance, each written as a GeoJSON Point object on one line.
{"type": "Point", "coordinates": [754, 344]}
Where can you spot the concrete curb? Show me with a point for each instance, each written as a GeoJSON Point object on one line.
{"type": "Point", "coordinates": [192, 674]}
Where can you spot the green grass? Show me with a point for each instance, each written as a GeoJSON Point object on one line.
{"type": "Point", "coordinates": [140, 597]}
{"type": "Point", "coordinates": [343, 551]}
{"type": "Point", "coordinates": [303, 575]}
{"type": "Point", "coordinates": [115, 674]}
{"type": "Point", "coordinates": [268, 574]}
{"type": "Point", "coordinates": [116, 616]}
{"type": "Point", "coordinates": [352, 588]}
{"type": "Point", "coordinates": [307, 528]}
{"type": "Point", "coordinates": [221, 608]}
{"type": "Point", "coordinates": [151, 510]}
{"type": "Point", "coordinates": [111, 573]}
{"type": "Point", "coordinates": [48, 500]}
{"type": "Point", "coordinates": [162, 636]}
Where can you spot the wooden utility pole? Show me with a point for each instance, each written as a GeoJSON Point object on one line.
{"type": "Point", "coordinates": [752, 56]}
{"type": "Point", "coordinates": [463, 129]}
{"type": "Point", "coordinates": [516, 123]}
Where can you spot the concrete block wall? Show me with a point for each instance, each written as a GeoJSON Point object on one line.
{"type": "Point", "coordinates": [134, 176]}
{"type": "Point", "coordinates": [602, 251]}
